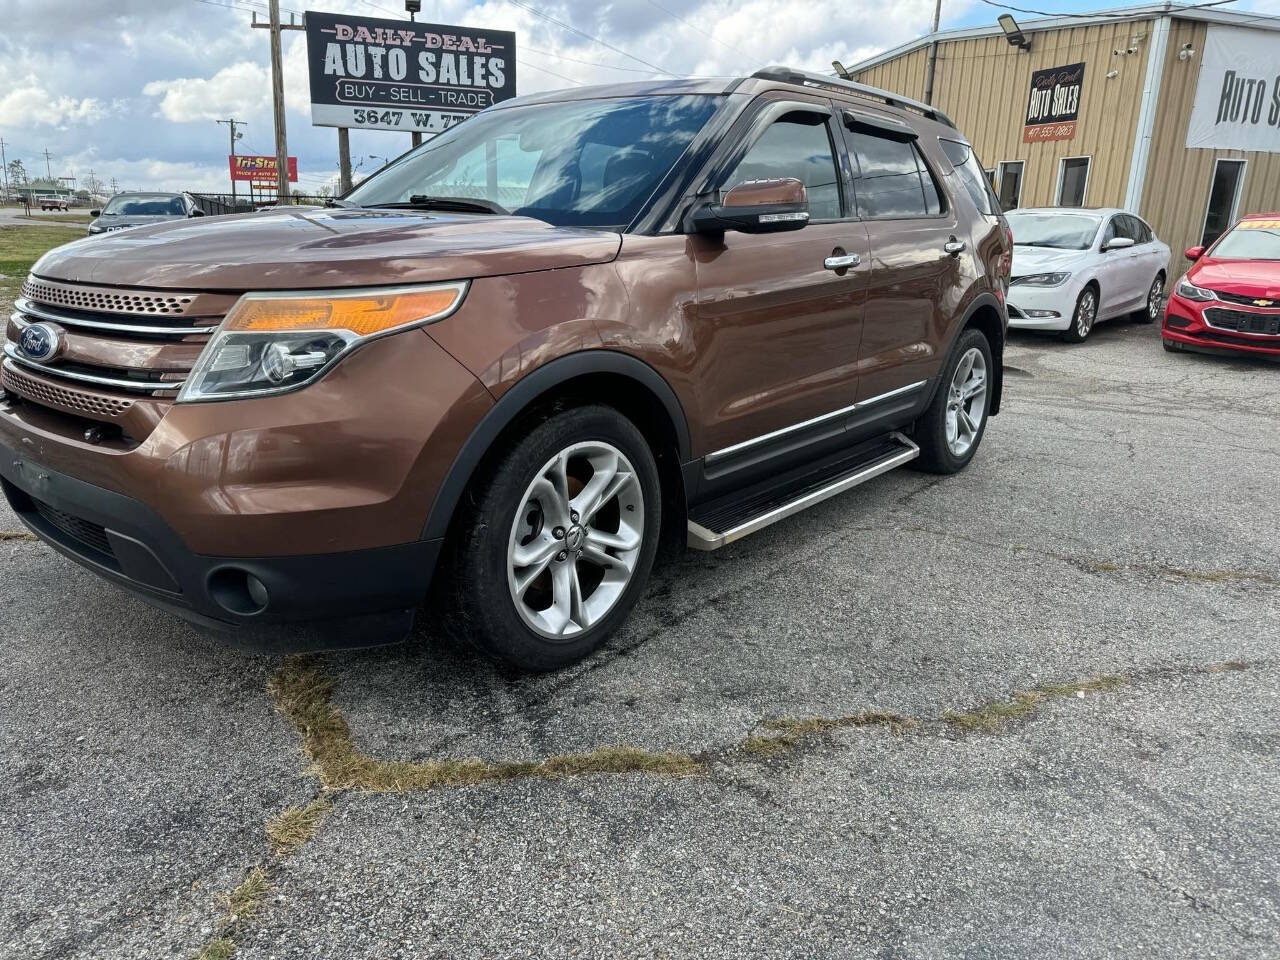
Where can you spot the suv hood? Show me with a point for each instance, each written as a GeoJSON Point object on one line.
{"type": "Point", "coordinates": [308, 248]}
{"type": "Point", "coordinates": [1027, 260]}
{"type": "Point", "coordinates": [1245, 278]}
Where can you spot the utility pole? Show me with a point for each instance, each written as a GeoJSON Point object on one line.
{"type": "Point", "coordinates": [115, 186]}
{"type": "Point", "coordinates": [344, 160]}
{"type": "Point", "coordinates": [932, 66]}
{"type": "Point", "coordinates": [4, 167]}
{"type": "Point", "coordinates": [232, 122]}
{"type": "Point", "coordinates": [412, 7]}
{"type": "Point", "coordinates": [277, 94]}
{"type": "Point", "coordinates": [48, 171]}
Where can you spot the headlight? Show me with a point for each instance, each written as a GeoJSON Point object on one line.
{"type": "Point", "coordinates": [94, 228]}
{"type": "Point", "coordinates": [1189, 291]}
{"type": "Point", "coordinates": [275, 342]}
{"type": "Point", "coordinates": [1040, 280]}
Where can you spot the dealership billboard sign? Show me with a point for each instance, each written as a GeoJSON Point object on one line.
{"type": "Point", "coordinates": [1237, 105]}
{"type": "Point", "coordinates": [259, 169]}
{"type": "Point", "coordinates": [1053, 106]}
{"type": "Point", "coordinates": [401, 75]}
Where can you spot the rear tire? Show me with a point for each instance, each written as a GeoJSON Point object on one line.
{"type": "Point", "coordinates": [951, 428]}
{"type": "Point", "coordinates": [1150, 311]}
{"type": "Point", "coordinates": [560, 539]}
{"type": "Point", "coordinates": [1084, 317]}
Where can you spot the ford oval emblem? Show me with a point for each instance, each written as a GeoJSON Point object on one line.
{"type": "Point", "coordinates": [40, 342]}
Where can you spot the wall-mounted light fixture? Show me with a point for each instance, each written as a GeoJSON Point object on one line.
{"type": "Point", "coordinates": [1112, 74]}
{"type": "Point", "coordinates": [840, 70]}
{"type": "Point", "coordinates": [1186, 53]}
{"type": "Point", "coordinates": [1012, 32]}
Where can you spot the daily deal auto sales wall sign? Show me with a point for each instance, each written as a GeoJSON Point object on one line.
{"type": "Point", "coordinates": [1054, 103]}
{"type": "Point", "coordinates": [399, 75]}
{"type": "Point", "coordinates": [1237, 105]}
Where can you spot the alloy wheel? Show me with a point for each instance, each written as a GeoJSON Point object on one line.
{"type": "Point", "coordinates": [1086, 310]}
{"type": "Point", "coordinates": [1154, 298]}
{"type": "Point", "coordinates": [575, 539]}
{"type": "Point", "coordinates": [966, 402]}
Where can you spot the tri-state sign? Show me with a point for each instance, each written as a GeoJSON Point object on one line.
{"type": "Point", "coordinates": [400, 75]}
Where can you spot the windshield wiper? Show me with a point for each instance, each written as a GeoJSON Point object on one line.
{"type": "Point", "coordinates": [421, 201]}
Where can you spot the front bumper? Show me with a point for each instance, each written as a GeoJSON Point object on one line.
{"type": "Point", "coordinates": [1185, 325]}
{"type": "Point", "coordinates": [1025, 302]}
{"type": "Point", "coordinates": [318, 601]}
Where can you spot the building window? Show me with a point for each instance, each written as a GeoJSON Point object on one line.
{"type": "Point", "coordinates": [1224, 199]}
{"type": "Point", "coordinates": [1073, 179]}
{"type": "Point", "coordinates": [1009, 187]}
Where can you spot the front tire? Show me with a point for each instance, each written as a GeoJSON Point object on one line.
{"type": "Point", "coordinates": [951, 428]}
{"type": "Point", "coordinates": [560, 540]}
{"type": "Point", "coordinates": [1085, 316]}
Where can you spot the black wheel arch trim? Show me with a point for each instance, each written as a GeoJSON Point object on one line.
{"type": "Point", "coordinates": [527, 390]}
{"type": "Point", "coordinates": [997, 349]}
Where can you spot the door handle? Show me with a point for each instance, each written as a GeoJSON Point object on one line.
{"type": "Point", "coordinates": [843, 262]}
{"type": "Point", "coordinates": [954, 247]}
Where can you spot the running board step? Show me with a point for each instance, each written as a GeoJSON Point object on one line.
{"type": "Point", "coordinates": [722, 521]}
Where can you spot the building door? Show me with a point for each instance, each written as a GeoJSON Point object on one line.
{"type": "Point", "coordinates": [1073, 180]}
{"type": "Point", "coordinates": [1010, 185]}
{"type": "Point", "coordinates": [1224, 199]}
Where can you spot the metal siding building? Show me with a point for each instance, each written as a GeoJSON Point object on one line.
{"type": "Point", "coordinates": [1132, 127]}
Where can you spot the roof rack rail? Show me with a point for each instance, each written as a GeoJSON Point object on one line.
{"type": "Point", "coordinates": [805, 78]}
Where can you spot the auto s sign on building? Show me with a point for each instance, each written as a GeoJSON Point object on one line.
{"type": "Point", "coordinates": [402, 75]}
{"type": "Point", "coordinates": [1237, 105]}
{"type": "Point", "coordinates": [1054, 103]}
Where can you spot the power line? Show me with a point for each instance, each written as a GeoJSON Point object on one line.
{"type": "Point", "coordinates": [526, 63]}
{"type": "Point", "coordinates": [604, 43]}
{"type": "Point", "coordinates": [697, 29]}
{"type": "Point", "coordinates": [596, 63]}
{"type": "Point", "coordinates": [1174, 10]}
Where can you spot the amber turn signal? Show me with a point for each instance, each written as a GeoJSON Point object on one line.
{"type": "Point", "coordinates": [364, 314]}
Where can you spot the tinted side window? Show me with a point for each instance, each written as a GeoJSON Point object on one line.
{"type": "Point", "coordinates": [977, 183]}
{"type": "Point", "coordinates": [1144, 233]}
{"type": "Point", "coordinates": [1112, 231]}
{"type": "Point", "coordinates": [893, 181]}
{"type": "Point", "coordinates": [796, 145]}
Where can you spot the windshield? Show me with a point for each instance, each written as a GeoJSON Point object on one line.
{"type": "Point", "coordinates": [580, 163]}
{"type": "Point", "coordinates": [1251, 240]}
{"type": "Point", "coordinates": [146, 206]}
{"type": "Point", "coordinates": [1065, 231]}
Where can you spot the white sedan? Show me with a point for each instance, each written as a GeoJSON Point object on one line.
{"type": "Point", "coordinates": [1073, 267]}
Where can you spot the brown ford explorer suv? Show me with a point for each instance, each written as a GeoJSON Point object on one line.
{"type": "Point", "coordinates": [516, 358]}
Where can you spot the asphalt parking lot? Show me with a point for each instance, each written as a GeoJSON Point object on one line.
{"type": "Point", "coordinates": [1027, 711]}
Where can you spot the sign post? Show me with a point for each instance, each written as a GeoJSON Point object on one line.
{"type": "Point", "coordinates": [378, 74]}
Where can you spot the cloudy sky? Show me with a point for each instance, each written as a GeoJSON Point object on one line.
{"type": "Point", "coordinates": [131, 89]}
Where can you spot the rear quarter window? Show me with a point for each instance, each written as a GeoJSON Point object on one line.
{"type": "Point", "coordinates": [971, 174]}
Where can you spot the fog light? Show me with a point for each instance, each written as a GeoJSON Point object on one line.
{"type": "Point", "coordinates": [238, 591]}
{"type": "Point", "coordinates": [1041, 314]}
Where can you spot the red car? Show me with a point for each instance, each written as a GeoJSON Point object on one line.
{"type": "Point", "coordinates": [1230, 298]}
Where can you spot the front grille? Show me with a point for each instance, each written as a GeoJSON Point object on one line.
{"type": "Point", "coordinates": [1247, 301]}
{"type": "Point", "coordinates": [82, 531]}
{"type": "Point", "coordinates": [95, 405]}
{"type": "Point", "coordinates": [1266, 324]}
{"type": "Point", "coordinates": [117, 345]}
{"type": "Point", "coordinates": [105, 299]}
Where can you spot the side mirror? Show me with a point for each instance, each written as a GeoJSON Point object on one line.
{"type": "Point", "coordinates": [1194, 253]}
{"type": "Point", "coordinates": [1118, 243]}
{"type": "Point", "coordinates": [756, 206]}
{"type": "Point", "coordinates": [197, 212]}
{"type": "Point", "coordinates": [95, 213]}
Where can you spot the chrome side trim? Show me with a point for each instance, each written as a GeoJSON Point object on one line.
{"type": "Point", "coordinates": [700, 538]}
{"type": "Point", "coordinates": [822, 418]}
{"type": "Point", "coordinates": [24, 306]}
{"type": "Point", "coordinates": [13, 357]}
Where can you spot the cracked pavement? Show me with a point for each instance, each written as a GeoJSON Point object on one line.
{"type": "Point", "coordinates": [1119, 522]}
